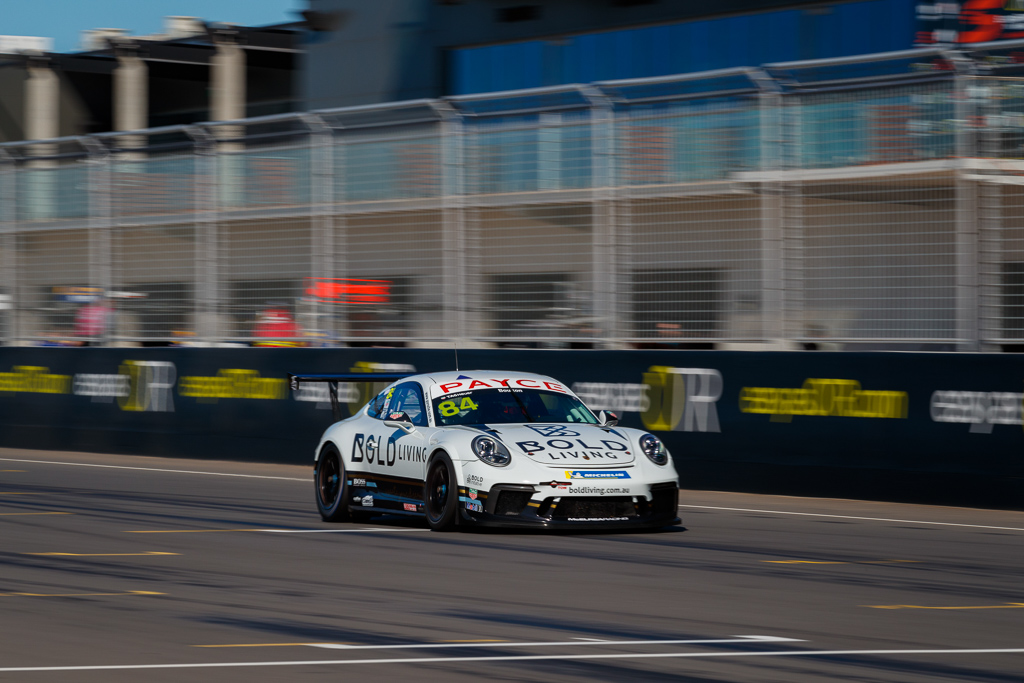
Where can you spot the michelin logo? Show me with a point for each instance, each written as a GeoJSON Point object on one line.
{"type": "Point", "coordinates": [598, 474]}
{"type": "Point", "coordinates": [980, 409]}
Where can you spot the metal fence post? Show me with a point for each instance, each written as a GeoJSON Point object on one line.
{"type": "Point", "coordinates": [339, 228]}
{"type": "Point", "coordinates": [321, 217]}
{"type": "Point", "coordinates": [207, 255]}
{"type": "Point", "coordinates": [101, 246]}
{"type": "Point", "coordinates": [769, 105]}
{"type": "Point", "coordinates": [793, 223]}
{"type": "Point", "coordinates": [9, 245]}
{"type": "Point", "coordinates": [607, 309]}
{"type": "Point", "coordinates": [453, 226]}
{"type": "Point", "coordinates": [967, 318]}
{"type": "Point", "coordinates": [991, 217]}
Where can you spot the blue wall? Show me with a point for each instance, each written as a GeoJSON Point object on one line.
{"type": "Point", "coordinates": [748, 40]}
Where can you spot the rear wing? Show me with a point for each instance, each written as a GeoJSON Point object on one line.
{"type": "Point", "coordinates": [334, 379]}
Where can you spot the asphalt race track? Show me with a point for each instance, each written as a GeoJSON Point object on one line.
{"type": "Point", "coordinates": [144, 569]}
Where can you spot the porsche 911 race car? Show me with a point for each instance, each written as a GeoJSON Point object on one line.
{"type": "Point", "coordinates": [489, 448]}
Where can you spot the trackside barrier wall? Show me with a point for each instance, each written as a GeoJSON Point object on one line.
{"type": "Point", "coordinates": [943, 428]}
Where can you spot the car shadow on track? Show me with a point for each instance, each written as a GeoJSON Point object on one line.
{"type": "Point", "coordinates": [400, 521]}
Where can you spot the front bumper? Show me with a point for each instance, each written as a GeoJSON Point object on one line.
{"type": "Point", "coordinates": [526, 507]}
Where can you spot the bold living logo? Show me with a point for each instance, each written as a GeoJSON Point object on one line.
{"type": "Point", "coordinates": [682, 399]}
{"type": "Point", "coordinates": [552, 430]}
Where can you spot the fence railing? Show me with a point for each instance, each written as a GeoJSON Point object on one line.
{"type": "Point", "coordinates": [863, 201]}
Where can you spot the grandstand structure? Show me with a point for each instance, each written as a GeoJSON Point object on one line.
{"type": "Point", "coordinates": [864, 202]}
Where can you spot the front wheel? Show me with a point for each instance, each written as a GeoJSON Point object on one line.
{"type": "Point", "coordinates": [441, 494]}
{"type": "Point", "coordinates": [331, 487]}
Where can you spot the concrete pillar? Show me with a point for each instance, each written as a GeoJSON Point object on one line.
{"type": "Point", "coordinates": [42, 101]}
{"type": "Point", "coordinates": [42, 122]}
{"type": "Point", "coordinates": [131, 90]}
{"type": "Point", "coordinates": [227, 78]}
{"type": "Point", "coordinates": [227, 103]}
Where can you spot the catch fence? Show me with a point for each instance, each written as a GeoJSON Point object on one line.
{"type": "Point", "coordinates": [870, 202]}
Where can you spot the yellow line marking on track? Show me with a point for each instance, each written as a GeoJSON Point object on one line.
{"type": "Point", "coordinates": [19, 493]}
{"type": "Point", "coordinates": [829, 562]}
{"type": "Point", "coordinates": [101, 554]}
{"type": "Point", "coordinates": [15, 514]}
{"type": "Point", "coordinates": [1009, 605]}
{"type": "Point", "coordinates": [188, 531]}
{"type": "Point", "coordinates": [72, 595]}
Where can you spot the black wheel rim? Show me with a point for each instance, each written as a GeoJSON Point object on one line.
{"type": "Point", "coordinates": [329, 481]}
{"type": "Point", "coordinates": [438, 490]}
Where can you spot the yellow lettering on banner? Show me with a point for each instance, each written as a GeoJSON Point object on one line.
{"type": "Point", "coordinates": [32, 379]}
{"type": "Point", "coordinates": [825, 397]}
{"type": "Point", "coordinates": [234, 383]}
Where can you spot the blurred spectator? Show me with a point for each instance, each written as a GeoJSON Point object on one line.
{"type": "Point", "coordinates": [276, 327]}
{"type": "Point", "coordinates": [93, 318]}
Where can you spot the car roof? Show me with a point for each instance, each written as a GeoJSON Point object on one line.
{"type": "Point", "coordinates": [456, 375]}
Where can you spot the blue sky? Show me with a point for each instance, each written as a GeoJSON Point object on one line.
{"type": "Point", "coordinates": [64, 20]}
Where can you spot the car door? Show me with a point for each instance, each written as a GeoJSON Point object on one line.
{"type": "Point", "coordinates": [366, 441]}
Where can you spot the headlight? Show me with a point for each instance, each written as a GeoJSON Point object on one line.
{"type": "Point", "coordinates": [491, 451]}
{"type": "Point", "coordinates": [654, 449]}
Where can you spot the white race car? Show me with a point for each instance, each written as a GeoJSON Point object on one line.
{"type": "Point", "coordinates": [489, 448]}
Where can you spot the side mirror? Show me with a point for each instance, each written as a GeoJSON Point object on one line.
{"type": "Point", "coordinates": [608, 419]}
{"type": "Point", "coordinates": [400, 421]}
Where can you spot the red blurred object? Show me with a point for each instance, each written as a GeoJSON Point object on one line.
{"type": "Point", "coordinates": [349, 291]}
{"type": "Point", "coordinates": [274, 327]}
{"type": "Point", "coordinates": [92, 319]}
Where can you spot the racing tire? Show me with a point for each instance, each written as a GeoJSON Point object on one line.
{"type": "Point", "coordinates": [331, 487]}
{"type": "Point", "coordinates": [441, 494]}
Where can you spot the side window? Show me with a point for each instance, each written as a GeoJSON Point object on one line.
{"type": "Point", "coordinates": [408, 399]}
{"type": "Point", "coordinates": [377, 405]}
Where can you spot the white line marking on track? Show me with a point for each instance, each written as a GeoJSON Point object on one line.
{"type": "Point", "coordinates": [513, 658]}
{"type": "Point", "coordinates": [332, 531]}
{"type": "Point", "coordinates": [155, 469]}
{"type": "Point", "coordinates": [574, 643]}
{"type": "Point", "coordinates": [870, 519]}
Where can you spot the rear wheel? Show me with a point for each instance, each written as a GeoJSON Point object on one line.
{"type": "Point", "coordinates": [441, 494]}
{"type": "Point", "coordinates": [331, 486]}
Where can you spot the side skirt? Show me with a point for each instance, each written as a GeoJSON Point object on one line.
{"type": "Point", "coordinates": [370, 492]}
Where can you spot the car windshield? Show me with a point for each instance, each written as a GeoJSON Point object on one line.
{"type": "Point", "coordinates": [504, 406]}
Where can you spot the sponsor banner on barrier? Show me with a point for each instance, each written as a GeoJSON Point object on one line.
{"type": "Point", "coordinates": [980, 409]}
{"type": "Point", "coordinates": [879, 411]}
{"type": "Point", "coordinates": [682, 399]}
{"type": "Point", "coordinates": [33, 379]}
{"type": "Point", "coordinates": [824, 398]}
